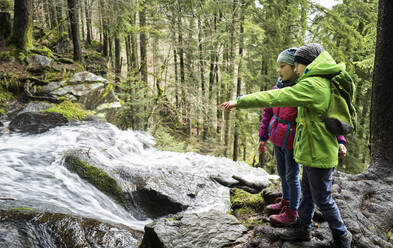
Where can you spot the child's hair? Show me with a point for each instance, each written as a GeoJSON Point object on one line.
{"type": "Point", "coordinates": [287, 56]}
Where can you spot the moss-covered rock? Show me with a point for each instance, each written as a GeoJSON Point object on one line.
{"type": "Point", "coordinates": [97, 177]}
{"type": "Point", "coordinates": [43, 51]}
{"type": "Point", "coordinates": [70, 110]}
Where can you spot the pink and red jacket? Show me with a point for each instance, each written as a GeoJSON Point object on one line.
{"type": "Point", "coordinates": [279, 126]}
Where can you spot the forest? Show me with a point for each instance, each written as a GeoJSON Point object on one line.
{"type": "Point", "coordinates": [173, 62]}
{"type": "Point", "coordinates": [162, 68]}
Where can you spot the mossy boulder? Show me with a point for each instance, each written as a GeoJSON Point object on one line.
{"type": "Point", "coordinates": [97, 177]}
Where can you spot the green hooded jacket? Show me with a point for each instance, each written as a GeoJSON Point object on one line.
{"type": "Point", "coordinates": [314, 145]}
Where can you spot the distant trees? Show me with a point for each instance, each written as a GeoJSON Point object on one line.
{"type": "Point", "coordinates": [173, 62]}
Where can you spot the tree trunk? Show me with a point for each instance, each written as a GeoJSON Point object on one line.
{"type": "Point", "coordinates": [21, 35]}
{"type": "Point", "coordinates": [104, 29]}
{"type": "Point", "coordinates": [238, 88]}
{"type": "Point", "coordinates": [382, 104]}
{"type": "Point", "coordinates": [5, 25]}
{"type": "Point", "coordinates": [61, 44]}
{"type": "Point", "coordinates": [74, 21]}
{"type": "Point", "coordinates": [52, 13]}
{"type": "Point", "coordinates": [81, 18]}
{"type": "Point", "coordinates": [117, 59]}
{"type": "Point", "coordinates": [143, 45]}
{"type": "Point", "coordinates": [229, 88]}
{"type": "Point", "coordinates": [127, 42]}
{"type": "Point", "coordinates": [202, 76]}
{"type": "Point", "coordinates": [88, 22]}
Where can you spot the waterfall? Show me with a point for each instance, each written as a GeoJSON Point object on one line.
{"type": "Point", "coordinates": [32, 171]}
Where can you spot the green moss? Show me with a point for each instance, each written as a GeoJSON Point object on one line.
{"type": "Point", "coordinates": [6, 56]}
{"type": "Point", "coordinates": [70, 110]}
{"type": "Point", "coordinates": [21, 209]}
{"type": "Point", "coordinates": [244, 201]}
{"type": "Point", "coordinates": [43, 51]}
{"type": "Point", "coordinates": [65, 60]}
{"type": "Point", "coordinates": [97, 177]}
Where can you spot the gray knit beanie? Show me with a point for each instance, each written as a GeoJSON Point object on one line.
{"type": "Point", "coordinates": [307, 53]}
{"type": "Point", "coordinates": [287, 56]}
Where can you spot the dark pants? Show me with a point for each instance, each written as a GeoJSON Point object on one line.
{"type": "Point", "coordinates": [317, 190]}
{"type": "Point", "coordinates": [288, 170]}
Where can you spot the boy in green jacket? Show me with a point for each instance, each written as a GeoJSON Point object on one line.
{"type": "Point", "coordinates": [315, 147]}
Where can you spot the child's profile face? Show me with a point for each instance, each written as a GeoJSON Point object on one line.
{"type": "Point", "coordinates": [286, 72]}
{"type": "Point", "coordinates": [299, 69]}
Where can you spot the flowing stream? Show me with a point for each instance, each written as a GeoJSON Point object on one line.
{"type": "Point", "coordinates": [32, 170]}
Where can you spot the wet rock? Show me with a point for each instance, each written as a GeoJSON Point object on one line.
{"type": "Point", "coordinates": [43, 229]}
{"type": "Point", "coordinates": [35, 107]}
{"type": "Point", "coordinates": [207, 229]}
{"type": "Point", "coordinates": [154, 204]}
{"type": "Point", "coordinates": [51, 87]}
{"type": "Point", "coordinates": [36, 122]}
{"type": "Point", "coordinates": [77, 90]}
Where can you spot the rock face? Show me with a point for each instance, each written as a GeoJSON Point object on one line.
{"type": "Point", "coordinates": [92, 91]}
{"type": "Point", "coordinates": [209, 229]}
{"type": "Point", "coordinates": [25, 228]}
{"type": "Point", "coordinates": [36, 122]}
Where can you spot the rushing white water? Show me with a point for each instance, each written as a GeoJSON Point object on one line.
{"type": "Point", "coordinates": [32, 171]}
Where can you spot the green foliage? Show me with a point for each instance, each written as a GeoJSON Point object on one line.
{"type": "Point", "coordinates": [5, 96]}
{"type": "Point", "coordinates": [5, 5]}
{"type": "Point", "coordinates": [69, 110]}
{"type": "Point", "coordinates": [10, 81]}
{"type": "Point", "coordinates": [6, 56]}
{"type": "Point", "coordinates": [22, 57]}
{"type": "Point", "coordinates": [168, 142]}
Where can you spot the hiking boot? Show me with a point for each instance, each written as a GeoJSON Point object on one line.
{"type": "Point", "coordinates": [296, 234]}
{"type": "Point", "coordinates": [286, 218]}
{"type": "Point", "coordinates": [344, 241]}
{"type": "Point", "coordinates": [277, 207]}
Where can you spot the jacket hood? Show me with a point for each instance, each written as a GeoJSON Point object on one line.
{"type": "Point", "coordinates": [323, 65]}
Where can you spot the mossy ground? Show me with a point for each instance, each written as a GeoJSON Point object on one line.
{"type": "Point", "coordinates": [247, 207]}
